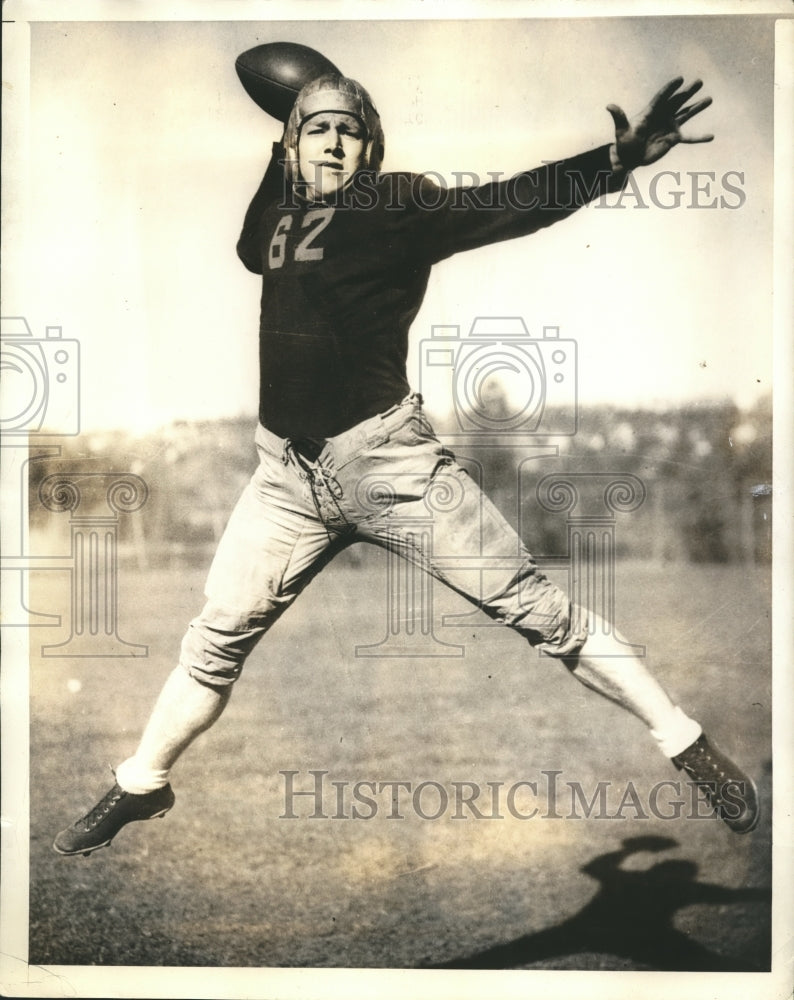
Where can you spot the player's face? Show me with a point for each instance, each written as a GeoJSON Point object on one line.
{"type": "Point", "coordinates": [330, 151]}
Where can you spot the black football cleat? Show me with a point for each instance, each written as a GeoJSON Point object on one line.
{"type": "Point", "coordinates": [117, 808]}
{"type": "Point", "coordinates": [725, 786]}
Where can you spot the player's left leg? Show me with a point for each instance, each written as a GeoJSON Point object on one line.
{"type": "Point", "coordinates": [476, 552]}
{"type": "Point", "coordinates": [626, 681]}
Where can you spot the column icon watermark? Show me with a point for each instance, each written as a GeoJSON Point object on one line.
{"type": "Point", "coordinates": [94, 502]}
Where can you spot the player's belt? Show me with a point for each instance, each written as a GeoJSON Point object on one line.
{"type": "Point", "coordinates": [309, 448]}
{"type": "Point", "coordinates": [345, 446]}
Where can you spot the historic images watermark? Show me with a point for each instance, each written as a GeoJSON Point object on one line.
{"type": "Point", "coordinates": [429, 190]}
{"type": "Point", "coordinates": [513, 392]}
{"type": "Point", "coordinates": [316, 794]}
{"type": "Point", "coordinates": [41, 381]}
{"type": "Point", "coordinates": [41, 402]}
{"type": "Point", "coordinates": [508, 387]}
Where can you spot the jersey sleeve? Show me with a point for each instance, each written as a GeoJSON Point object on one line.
{"type": "Point", "coordinates": [272, 188]}
{"type": "Point", "coordinates": [468, 218]}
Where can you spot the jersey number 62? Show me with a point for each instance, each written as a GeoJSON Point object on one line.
{"type": "Point", "coordinates": [314, 221]}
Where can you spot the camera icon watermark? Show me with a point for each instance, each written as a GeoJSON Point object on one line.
{"type": "Point", "coordinates": [40, 380]}
{"type": "Point", "coordinates": [40, 400]}
{"type": "Point", "coordinates": [505, 384]}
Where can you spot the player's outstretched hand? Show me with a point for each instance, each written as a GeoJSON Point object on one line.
{"type": "Point", "coordinates": [657, 129]}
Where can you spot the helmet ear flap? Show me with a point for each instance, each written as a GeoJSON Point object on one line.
{"type": "Point", "coordinates": [290, 161]}
{"type": "Point", "coordinates": [375, 148]}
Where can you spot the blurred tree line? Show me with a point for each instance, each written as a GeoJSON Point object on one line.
{"type": "Point", "coordinates": [706, 468]}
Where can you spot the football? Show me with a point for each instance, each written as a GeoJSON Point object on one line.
{"type": "Point", "coordinates": [274, 74]}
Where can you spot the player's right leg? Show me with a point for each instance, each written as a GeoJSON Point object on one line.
{"type": "Point", "coordinates": [273, 545]}
{"type": "Point", "coordinates": [185, 708]}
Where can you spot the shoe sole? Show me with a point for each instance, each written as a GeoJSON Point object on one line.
{"type": "Point", "coordinates": [757, 818]}
{"type": "Point", "coordinates": [719, 815]}
{"type": "Point", "coordinates": [86, 851]}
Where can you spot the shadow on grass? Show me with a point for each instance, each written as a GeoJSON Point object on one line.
{"type": "Point", "coordinates": [631, 917]}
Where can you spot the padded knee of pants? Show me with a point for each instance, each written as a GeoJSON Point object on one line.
{"type": "Point", "coordinates": [217, 643]}
{"type": "Point", "coordinates": [541, 612]}
{"type": "Point", "coordinates": [570, 637]}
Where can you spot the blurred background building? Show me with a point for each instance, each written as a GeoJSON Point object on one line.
{"type": "Point", "coordinates": [706, 468]}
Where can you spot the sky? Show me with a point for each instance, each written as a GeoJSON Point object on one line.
{"type": "Point", "coordinates": [142, 151]}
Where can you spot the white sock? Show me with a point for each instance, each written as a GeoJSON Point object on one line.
{"type": "Point", "coordinates": [136, 779]}
{"type": "Point", "coordinates": [677, 733]}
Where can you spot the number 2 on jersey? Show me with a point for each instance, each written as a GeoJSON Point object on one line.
{"type": "Point", "coordinates": [315, 221]}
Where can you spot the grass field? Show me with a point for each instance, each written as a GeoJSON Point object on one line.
{"type": "Point", "coordinates": [224, 881]}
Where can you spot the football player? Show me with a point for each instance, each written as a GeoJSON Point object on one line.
{"type": "Point", "coordinates": [345, 450]}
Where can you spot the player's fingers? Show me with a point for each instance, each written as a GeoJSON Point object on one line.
{"type": "Point", "coordinates": [678, 100]}
{"type": "Point", "coordinates": [691, 139]}
{"type": "Point", "coordinates": [694, 109]}
{"type": "Point", "coordinates": [619, 117]}
{"type": "Point", "coordinates": [666, 92]}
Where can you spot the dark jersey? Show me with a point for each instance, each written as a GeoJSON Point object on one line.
{"type": "Point", "coordinates": [343, 279]}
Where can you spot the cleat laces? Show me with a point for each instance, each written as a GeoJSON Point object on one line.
{"type": "Point", "coordinates": [102, 808]}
